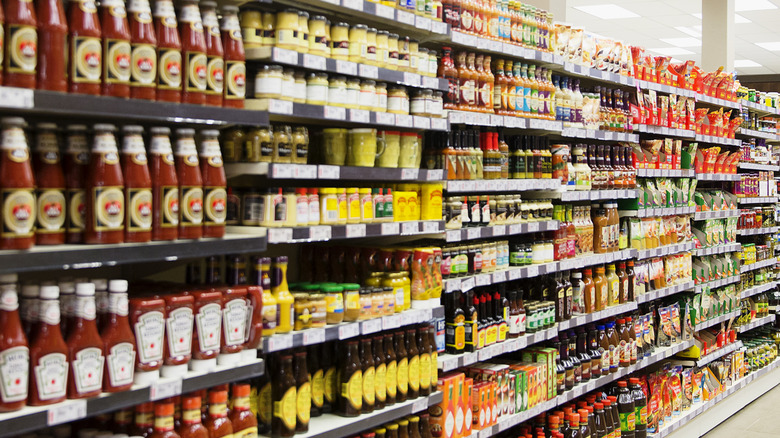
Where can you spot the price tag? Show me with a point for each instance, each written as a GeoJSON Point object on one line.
{"type": "Point", "coordinates": [410, 228]}
{"type": "Point", "coordinates": [605, 75]}
{"type": "Point", "coordinates": [483, 279]}
{"type": "Point", "coordinates": [160, 390]}
{"type": "Point", "coordinates": [349, 330]}
{"type": "Point", "coordinates": [438, 27]}
{"type": "Point", "coordinates": [422, 122]}
{"type": "Point", "coordinates": [609, 135]}
{"type": "Point", "coordinates": [279, 342]}
{"type": "Point", "coordinates": [280, 235]}
{"type": "Point", "coordinates": [282, 170]}
{"type": "Point", "coordinates": [313, 336]}
{"type": "Point", "coordinates": [469, 358]}
{"type": "Point", "coordinates": [276, 106]}
{"type": "Point", "coordinates": [420, 405]}
{"type": "Point", "coordinates": [346, 67]}
{"type": "Point", "coordinates": [356, 230]}
{"type": "Point", "coordinates": [391, 322]}
{"type": "Point", "coordinates": [514, 274]}
{"type": "Point", "coordinates": [533, 227]}
{"type": "Point", "coordinates": [320, 232]}
{"type": "Point", "coordinates": [515, 228]}
{"type": "Point", "coordinates": [434, 175]}
{"type": "Point", "coordinates": [285, 56]}
{"type": "Point", "coordinates": [452, 285]}
{"type": "Point", "coordinates": [484, 355]}
{"type": "Point", "coordinates": [353, 4]}
{"type": "Point", "coordinates": [334, 112]}
{"type": "Point", "coordinates": [547, 57]}
{"type": "Point", "coordinates": [499, 230]}
{"type": "Point", "coordinates": [430, 227]}
{"type": "Point", "coordinates": [359, 116]}
{"type": "Point", "coordinates": [403, 120]}
{"type": "Point", "coordinates": [499, 276]}
{"type": "Point", "coordinates": [623, 79]}
{"type": "Point", "coordinates": [467, 284]}
{"type": "Point", "coordinates": [412, 79]}
{"type": "Point", "coordinates": [438, 124]}
{"type": "Point", "coordinates": [453, 236]}
{"type": "Point", "coordinates": [473, 233]}
{"type": "Point", "coordinates": [68, 411]}
{"type": "Point", "coordinates": [313, 62]}
{"type": "Point", "coordinates": [391, 229]}
{"type": "Point", "coordinates": [532, 271]}
{"type": "Point", "coordinates": [305, 171]}
{"type": "Point", "coordinates": [384, 11]}
{"type": "Point", "coordinates": [423, 23]}
{"type": "Point", "coordinates": [328, 172]}
{"type": "Point", "coordinates": [371, 326]}
{"type": "Point", "coordinates": [405, 17]}
{"type": "Point", "coordinates": [429, 82]}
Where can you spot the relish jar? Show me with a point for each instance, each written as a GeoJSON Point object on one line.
{"type": "Point", "coordinates": [403, 54]}
{"type": "Point", "coordinates": [381, 97]}
{"type": "Point", "coordinates": [414, 54]}
{"type": "Point", "coordinates": [420, 102]}
{"type": "Point", "coordinates": [392, 51]}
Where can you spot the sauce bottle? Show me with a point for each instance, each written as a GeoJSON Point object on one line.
{"type": "Point", "coordinates": [163, 421]}
{"type": "Point", "coordinates": [48, 352]}
{"type": "Point", "coordinates": [169, 56]}
{"type": "Point", "coordinates": [84, 40]}
{"type": "Point", "coordinates": [117, 52]}
{"type": "Point", "coordinates": [614, 344]}
{"type": "Point", "coordinates": [350, 397]}
{"type": "Point", "coordinates": [85, 347]}
{"type": "Point", "coordinates": [261, 267]}
{"type": "Point", "coordinates": [253, 338]}
{"type": "Point", "coordinates": [285, 398]}
{"type": "Point", "coordinates": [17, 187]}
{"type": "Point", "coordinates": [235, 65]}
{"type": "Point", "coordinates": [52, 46]}
{"type": "Point", "coordinates": [143, 51]}
{"type": "Point", "coordinates": [190, 186]}
{"type": "Point", "coordinates": [76, 166]}
{"type": "Point", "coordinates": [105, 198]}
{"type": "Point", "coordinates": [243, 419]}
{"type": "Point", "coordinates": [144, 420]}
{"type": "Point", "coordinates": [217, 422]}
{"type": "Point", "coordinates": [207, 336]}
{"type": "Point", "coordinates": [425, 361]}
{"type": "Point", "coordinates": [380, 372]}
{"type": "Point", "coordinates": [118, 340]}
{"type": "Point", "coordinates": [50, 183]}
{"type": "Point", "coordinates": [625, 405]}
{"type": "Point", "coordinates": [177, 351]}
{"type": "Point", "coordinates": [21, 44]}
{"type": "Point", "coordinates": [138, 186]}
{"type": "Point", "coordinates": [214, 185]}
{"type": "Point", "coordinates": [147, 316]}
{"type": "Point", "coordinates": [640, 407]}
{"type": "Point", "coordinates": [414, 364]}
{"type": "Point", "coordinates": [284, 300]}
{"type": "Point", "coordinates": [191, 425]}
{"type": "Point", "coordinates": [369, 376]}
{"type": "Point", "coordinates": [602, 289]}
{"type": "Point", "coordinates": [317, 380]}
{"type": "Point", "coordinates": [265, 399]}
{"type": "Point", "coordinates": [391, 382]}
{"type": "Point", "coordinates": [613, 286]}
{"type": "Point", "coordinates": [14, 352]}
{"type": "Point", "coordinates": [402, 361]}
{"type": "Point", "coordinates": [331, 380]}
{"type": "Point", "coordinates": [234, 320]}
{"type": "Point", "coordinates": [604, 350]}
{"type": "Point", "coordinates": [165, 186]}
{"type": "Point", "coordinates": [215, 64]}
{"type": "Point", "coordinates": [193, 47]}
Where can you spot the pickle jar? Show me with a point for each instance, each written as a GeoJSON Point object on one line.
{"type": "Point", "coordinates": [287, 29]}
{"type": "Point", "coordinates": [367, 100]}
{"type": "Point", "coordinates": [403, 54]}
{"type": "Point", "coordinates": [352, 100]}
{"type": "Point", "coordinates": [392, 51]}
{"type": "Point", "coordinates": [318, 42]}
{"type": "Point", "coordinates": [335, 146]}
{"type": "Point", "coordinates": [381, 97]}
{"type": "Point", "coordinates": [301, 311]}
{"type": "Point", "coordinates": [419, 103]}
{"type": "Point", "coordinates": [268, 82]}
{"type": "Point", "coordinates": [339, 34]}
{"type": "Point", "coordinates": [318, 306]}
{"type": "Point", "coordinates": [351, 301]}
{"type": "Point", "coordinates": [414, 54]}
{"type": "Point", "coordinates": [397, 100]}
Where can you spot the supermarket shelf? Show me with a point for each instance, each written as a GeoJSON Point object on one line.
{"type": "Point", "coordinates": [717, 354]}
{"type": "Point", "coordinates": [323, 64]}
{"type": "Point", "coordinates": [285, 110]}
{"type": "Point", "coordinates": [499, 230]}
{"type": "Point", "coordinates": [665, 211]}
{"type": "Point", "coordinates": [662, 130]}
{"type": "Point", "coordinates": [752, 133]}
{"type": "Point", "coordinates": [449, 362]}
{"type": "Point", "coordinates": [755, 290]}
{"type": "Point", "coordinates": [326, 172]}
{"type": "Point", "coordinates": [495, 120]}
{"type": "Point", "coordinates": [599, 135]}
{"type": "Point", "coordinates": [501, 185]}
{"type": "Point", "coordinates": [648, 85]}
{"type": "Point", "coordinates": [757, 200]}
{"type": "Point", "coordinates": [758, 166]}
{"type": "Point", "coordinates": [717, 320]}
{"type": "Point", "coordinates": [64, 257]}
{"type": "Point", "coordinates": [759, 107]}
{"type": "Point", "coordinates": [719, 249]}
{"type": "Point", "coordinates": [665, 292]}
{"type": "Point", "coordinates": [48, 103]}
{"type": "Point", "coordinates": [718, 176]}
{"type": "Point", "coordinates": [755, 231]}
{"type": "Point", "coordinates": [716, 101]}
{"type": "Point", "coordinates": [338, 232]}
{"type": "Point", "coordinates": [712, 139]}
{"type": "Point", "coordinates": [347, 330]}
{"type": "Point", "coordinates": [758, 322]}
{"type": "Point", "coordinates": [664, 250]}
{"type": "Point", "coordinates": [720, 214]}
{"type": "Point", "coordinates": [717, 283]}
{"type": "Point", "coordinates": [31, 418]}
{"type": "Point", "coordinates": [579, 320]}
{"type": "Point", "coordinates": [597, 195]}
{"type": "Point", "coordinates": [668, 173]}
{"type": "Point", "coordinates": [596, 259]}
{"type": "Point", "coordinates": [757, 265]}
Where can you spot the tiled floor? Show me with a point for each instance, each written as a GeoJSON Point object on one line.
{"type": "Point", "coordinates": [753, 420]}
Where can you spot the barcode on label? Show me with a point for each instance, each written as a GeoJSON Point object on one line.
{"type": "Point", "coordinates": [161, 390]}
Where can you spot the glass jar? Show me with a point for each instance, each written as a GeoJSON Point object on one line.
{"type": "Point", "coordinates": [319, 309]}
{"type": "Point", "coordinates": [420, 102]}
{"type": "Point", "coordinates": [252, 29]}
{"type": "Point", "coordinates": [365, 304]}
{"type": "Point", "coordinates": [300, 142]}
{"type": "Point", "coordinates": [402, 292]}
{"type": "Point", "coordinates": [339, 34]}
{"type": "Point", "coordinates": [334, 303]}
{"type": "Point", "coordinates": [351, 301]}
{"type": "Point", "coordinates": [433, 63]}
{"type": "Point", "coordinates": [268, 82]}
{"type": "Point", "coordinates": [353, 205]}
{"type": "Point", "coordinates": [318, 44]}
{"type": "Point", "coordinates": [358, 42]}
{"type": "Point", "coordinates": [269, 29]}
{"type": "Point", "coordinates": [367, 99]}
{"type": "Point", "coordinates": [232, 142]}
{"type": "Point", "coordinates": [303, 32]}
{"type": "Point", "coordinates": [403, 54]}
{"type": "Point", "coordinates": [329, 205]}
{"type": "Point", "coordinates": [381, 97]}
{"type": "Point", "coordinates": [371, 46]}
{"type": "Point", "coordinates": [282, 144]}
{"type": "Point", "coordinates": [301, 310]}
{"type": "Point", "coordinates": [397, 100]}
{"type": "Point", "coordinates": [361, 151]}
{"type": "Point", "coordinates": [437, 104]}
{"type": "Point", "coordinates": [389, 148]}
{"type": "Point", "coordinates": [258, 145]}
{"type": "Point", "coordinates": [422, 61]}
{"type": "Point", "coordinates": [337, 91]}
{"type": "Point", "coordinates": [288, 85]}
{"type": "Point", "coordinates": [341, 196]}
{"type": "Point", "coordinates": [392, 51]}
{"type": "Point", "coordinates": [377, 302]}
{"type": "Point", "coordinates": [366, 206]}
{"type": "Point", "coordinates": [287, 29]}
{"type": "Point", "coordinates": [410, 155]}
{"type": "Point", "coordinates": [382, 53]}
{"type": "Point", "coordinates": [299, 89]}
{"type": "Point", "coordinates": [317, 89]}
{"type": "Point", "coordinates": [414, 54]}
{"type": "Point", "coordinates": [353, 93]}
{"type": "Point", "coordinates": [335, 145]}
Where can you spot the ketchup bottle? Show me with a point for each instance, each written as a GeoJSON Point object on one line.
{"type": "Point", "coordinates": [165, 187]}
{"type": "Point", "coordinates": [105, 217]}
{"type": "Point", "coordinates": [76, 163]}
{"type": "Point", "coordinates": [193, 48]}
{"type": "Point", "coordinates": [48, 352]}
{"type": "Point", "coordinates": [85, 347]}
{"type": "Point", "coordinates": [214, 185]}
{"type": "Point", "coordinates": [169, 65]}
{"type": "Point", "coordinates": [2, 43]}
{"type": "Point", "coordinates": [215, 63]}
{"type": "Point", "coordinates": [190, 186]}
{"type": "Point", "coordinates": [138, 186]}
{"type": "Point", "coordinates": [116, 49]}
{"type": "Point", "coordinates": [20, 45]}
{"type": "Point", "coordinates": [84, 40]}
{"type": "Point", "coordinates": [118, 340]}
{"type": "Point", "coordinates": [17, 187]}
{"type": "Point", "coordinates": [14, 353]}
{"type": "Point", "coordinates": [235, 65]}
{"type": "Point", "coordinates": [50, 193]}
{"type": "Point", "coordinates": [143, 51]}
{"type": "Point", "coordinates": [52, 43]}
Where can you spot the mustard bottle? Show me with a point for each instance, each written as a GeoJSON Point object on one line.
{"type": "Point", "coordinates": [262, 265]}
{"type": "Point", "coordinates": [281, 291]}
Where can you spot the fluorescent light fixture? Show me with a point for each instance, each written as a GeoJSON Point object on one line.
{"type": "Point", "coordinates": [672, 51]}
{"type": "Point", "coordinates": [682, 42]}
{"type": "Point", "coordinates": [689, 31]}
{"type": "Point", "coordinates": [607, 11]}
{"type": "Point", "coordinates": [772, 46]}
{"type": "Point", "coordinates": [742, 63]}
{"type": "Point", "coordinates": [753, 5]}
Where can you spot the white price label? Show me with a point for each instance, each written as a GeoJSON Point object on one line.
{"type": "Point", "coordinates": [434, 175]}
{"type": "Point", "coordinates": [423, 23]}
{"type": "Point", "coordinates": [412, 79]}
{"type": "Point", "coordinates": [359, 116]}
{"type": "Point", "coordinates": [279, 342]}
{"type": "Point", "coordinates": [483, 279]}
{"type": "Point", "coordinates": [314, 62]}
{"type": "Point", "coordinates": [605, 75]}
{"type": "Point", "coordinates": [353, 4]}
{"type": "Point", "coordinates": [320, 232]}
{"type": "Point", "coordinates": [430, 227]}
{"type": "Point", "coordinates": [410, 227]}
{"type": "Point", "coordinates": [346, 67]}
{"type": "Point", "coordinates": [285, 56]}
{"type": "Point", "coordinates": [484, 355]}
{"type": "Point", "coordinates": [430, 82]}
{"type": "Point", "coordinates": [532, 271]}
{"type": "Point", "coordinates": [514, 274]}
{"type": "Point", "coordinates": [276, 106]}
{"type": "Point", "coordinates": [515, 228]}
{"type": "Point", "coordinates": [384, 11]}
{"type": "Point", "coordinates": [371, 326]}
{"type": "Point", "coordinates": [533, 227]}
{"type": "Point", "coordinates": [405, 17]}
{"type": "Point", "coordinates": [280, 235]}
{"type": "Point", "coordinates": [547, 57]}
{"type": "Point", "coordinates": [369, 71]}
{"type": "Point", "coordinates": [499, 230]}
{"type": "Point", "coordinates": [391, 322]}
{"type": "Point", "coordinates": [467, 284]}
{"type": "Point", "coordinates": [334, 112]}
{"type": "Point", "coordinates": [328, 172]}
{"type": "Point", "coordinates": [356, 230]}
{"type": "Point", "coordinates": [161, 390]}
{"type": "Point", "coordinates": [422, 122]}
{"type": "Point", "coordinates": [385, 118]}
{"type": "Point", "coordinates": [453, 235]}
{"type": "Point", "coordinates": [438, 124]}
{"type": "Point", "coordinates": [282, 170]}
{"type": "Point", "coordinates": [499, 276]}
{"type": "Point", "coordinates": [403, 120]}
{"type": "Point", "coordinates": [425, 315]}
{"type": "Point", "coordinates": [391, 229]}
{"type": "Point", "coordinates": [474, 233]}
{"type": "Point", "coordinates": [349, 330]}
{"type": "Point", "coordinates": [313, 336]}
{"type": "Point", "coordinates": [420, 405]}
{"type": "Point", "coordinates": [452, 285]}
{"type": "Point", "coordinates": [438, 27]}
{"type": "Point", "coordinates": [66, 412]}
{"type": "Point", "coordinates": [410, 173]}
{"type": "Point", "coordinates": [305, 171]}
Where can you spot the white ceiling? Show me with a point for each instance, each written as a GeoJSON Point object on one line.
{"type": "Point", "coordinates": [668, 24]}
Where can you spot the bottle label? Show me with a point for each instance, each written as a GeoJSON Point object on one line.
{"type": "Point", "coordinates": [425, 370]}
{"type": "Point", "coordinates": [149, 334]}
{"type": "Point", "coordinates": [191, 210]}
{"type": "Point", "coordinates": [120, 362]}
{"type": "Point", "coordinates": [625, 352]}
{"type": "Point", "coordinates": [235, 84]}
{"type": "Point", "coordinates": [22, 49]}
{"type": "Point", "coordinates": [317, 388]}
{"type": "Point", "coordinates": [414, 373]}
{"type": "Point", "coordinates": [270, 317]}
{"type": "Point", "coordinates": [369, 385]}
{"type": "Point", "coordinates": [51, 376]}
{"type": "Point", "coordinates": [627, 421]}
{"type": "Point", "coordinates": [178, 326]}
{"type": "Point", "coordinates": [76, 210]}
{"type": "Point", "coordinates": [14, 366]}
{"type": "Point", "coordinates": [86, 63]}
{"type": "Point", "coordinates": [85, 308]}
{"type": "Point", "coordinates": [18, 212]}
{"type": "Point", "coordinates": [88, 370]}
{"type": "Point", "coordinates": [215, 201]}
{"type": "Point", "coordinates": [605, 359]}
{"type": "Point", "coordinates": [234, 321]}
{"type": "Point", "coordinates": [380, 382]}
{"type": "Point", "coordinates": [249, 432]}
{"type": "Point", "coordinates": [330, 385]}
{"type": "Point", "coordinates": [640, 415]}
{"type": "Point", "coordinates": [303, 403]}
{"type": "Point", "coordinates": [265, 403]}
{"type": "Point", "coordinates": [139, 209]}
{"type": "Point", "coordinates": [169, 67]}
{"type": "Point", "coordinates": [216, 74]}
{"type": "Point", "coordinates": [352, 390]}
{"type": "Point", "coordinates": [163, 423]}
{"type": "Point", "coordinates": [117, 60]}
{"type": "Point", "coordinates": [391, 381]}
{"type": "Point", "coordinates": [169, 202]}
{"type": "Point", "coordinates": [51, 210]}
{"type": "Point", "coordinates": [143, 63]}
{"type": "Point", "coordinates": [109, 208]}
{"type": "Point", "coordinates": [208, 322]}
{"type": "Point", "coordinates": [403, 375]}
{"type": "Point", "coordinates": [196, 68]}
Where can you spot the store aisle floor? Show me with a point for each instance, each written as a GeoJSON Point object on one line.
{"type": "Point", "coordinates": [752, 420]}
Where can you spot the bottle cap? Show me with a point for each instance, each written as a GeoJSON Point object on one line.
{"type": "Point", "coordinates": [117, 286]}
{"type": "Point", "coordinates": [48, 292]}
{"type": "Point", "coordinates": [85, 289]}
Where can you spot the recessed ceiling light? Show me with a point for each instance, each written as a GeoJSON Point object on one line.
{"type": "Point", "coordinates": [773, 46]}
{"type": "Point", "coordinates": [753, 5]}
{"type": "Point", "coordinates": [742, 63]}
{"type": "Point", "coordinates": [672, 51]}
{"type": "Point", "coordinates": [689, 31]}
{"type": "Point", "coordinates": [738, 19]}
{"type": "Point", "coordinates": [682, 42]}
{"type": "Point", "coordinates": [607, 11]}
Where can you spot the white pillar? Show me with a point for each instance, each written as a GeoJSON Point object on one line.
{"type": "Point", "coordinates": [717, 35]}
{"type": "Point", "coordinates": [557, 7]}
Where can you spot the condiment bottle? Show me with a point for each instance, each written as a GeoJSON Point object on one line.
{"type": "Point", "coordinates": [147, 316]}
{"type": "Point", "coordinates": [261, 267]}
{"type": "Point", "coordinates": [640, 407]}
{"type": "Point", "coordinates": [207, 336]}
{"type": "Point", "coordinates": [169, 53]}
{"type": "Point", "coordinates": [165, 186]}
{"type": "Point", "coordinates": [402, 360]}
{"type": "Point", "coordinates": [369, 375]}
{"type": "Point", "coordinates": [350, 397]}
{"type": "Point", "coordinates": [116, 48]}
{"type": "Point", "coordinates": [177, 351]}
{"type": "Point", "coordinates": [29, 309]}
{"type": "Point", "coordinates": [215, 63]}
{"type": "Point", "coordinates": [380, 372]}
{"type": "Point", "coordinates": [254, 333]}
{"type": "Point", "coordinates": [234, 319]}
{"type": "Point", "coordinates": [414, 364]}
{"type": "Point", "coordinates": [20, 44]}
{"type": "Point", "coordinates": [143, 51]}
{"type": "Point", "coordinates": [214, 185]}
{"type": "Point", "coordinates": [52, 46]}
{"type": "Point", "coordinates": [243, 419]}
{"type": "Point", "coordinates": [85, 347]}
{"type": "Point", "coordinates": [625, 405]}
{"type": "Point", "coordinates": [14, 353]}
{"type": "Point", "coordinates": [105, 218]}
{"type": "Point", "coordinates": [48, 352]}
{"type": "Point", "coordinates": [303, 392]}
{"type": "Point", "coordinates": [144, 420]}
{"type": "Point", "coordinates": [138, 186]}
{"type": "Point", "coordinates": [84, 39]}
{"type": "Point", "coordinates": [50, 183]}
{"type": "Point", "coordinates": [284, 393]}
{"type": "Point", "coordinates": [193, 50]}
{"type": "Point", "coordinates": [17, 186]}
{"type": "Point", "coordinates": [190, 186]}
{"type": "Point", "coordinates": [191, 419]}
{"type": "Point", "coordinates": [284, 300]}
{"type": "Point", "coordinates": [391, 381]}
{"type": "Point", "coordinates": [235, 65]}
{"type": "Point", "coordinates": [76, 166]}
{"type": "Point", "coordinates": [118, 340]}
{"type": "Point", "coordinates": [317, 380]}
{"type": "Point", "coordinates": [163, 420]}
{"type": "Point", "coordinates": [217, 422]}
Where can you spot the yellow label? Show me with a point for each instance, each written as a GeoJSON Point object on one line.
{"type": "Point", "coordinates": [22, 49]}
{"type": "Point", "coordinates": [196, 72]}
{"type": "Point", "coordinates": [18, 212]}
{"type": "Point", "coordinates": [191, 416]}
{"type": "Point", "coordinates": [380, 382]}
{"type": "Point", "coordinates": [317, 388]}
{"type": "Point", "coordinates": [342, 200]}
{"type": "Point", "coordinates": [249, 432]}
{"type": "Point", "coordinates": [304, 403]}
{"type": "Point", "coordinates": [265, 402]}
{"type": "Point", "coordinates": [369, 389]}
{"type": "Point", "coordinates": [460, 337]}
{"type": "Point", "coordinates": [117, 61]}
{"type": "Point", "coordinates": [414, 373]}
{"type": "Point", "coordinates": [352, 300]}
{"type": "Point", "coordinates": [392, 379]}
{"type": "Point", "coordinates": [86, 59]}
{"type": "Point", "coordinates": [503, 329]}
{"type": "Point", "coordinates": [353, 390]}
{"type": "Point", "coordinates": [491, 335]}
{"type": "Point", "coordinates": [235, 80]}
{"type": "Point", "coordinates": [434, 368]}
{"type": "Point", "coordinates": [330, 385]}
{"type": "Point", "coordinates": [354, 207]}
{"type": "Point", "coordinates": [215, 71]}
{"type": "Point", "coordinates": [403, 376]}
{"type": "Point", "coordinates": [286, 407]}
{"type": "Point", "coordinates": [163, 423]}
{"type": "Point", "coordinates": [143, 65]}
{"type": "Point", "coordinates": [169, 69]}
{"type": "Point", "coordinates": [218, 409]}
{"type": "Point", "coordinates": [425, 370]}
{"type": "Point", "coordinates": [109, 207]}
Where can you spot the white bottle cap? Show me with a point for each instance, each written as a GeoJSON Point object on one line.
{"type": "Point", "coordinates": [85, 289]}
{"type": "Point", "coordinates": [146, 378]}
{"type": "Point", "coordinates": [49, 292]}
{"type": "Point", "coordinates": [100, 283]}
{"type": "Point", "coordinates": [117, 286]}
{"type": "Point", "coordinates": [204, 365]}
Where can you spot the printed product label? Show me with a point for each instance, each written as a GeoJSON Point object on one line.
{"type": "Point", "coordinates": [143, 65]}
{"type": "Point", "coordinates": [403, 375]}
{"type": "Point", "coordinates": [317, 388]}
{"type": "Point", "coordinates": [14, 366]}
{"type": "Point", "coordinates": [414, 373]}
{"type": "Point", "coordinates": [85, 308]}
{"type": "Point", "coordinates": [425, 370]}
{"type": "Point", "coordinates": [369, 385]}
{"type": "Point", "coordinates": [117, 61]}
{"type": "Point", "coordinates": [391, 381]}
{"type": "Point", "coordinates": [179, 331]}
{"type": "Point", "coordinates": [265, 402]}
{"type": "Point", "coordinates": [353, 390]}
{"type": "Point", "coordinates": [51, 210]}
{"type": "Point", "coordinates": [235, 80]}
{"type": "Point", "coordinates": [208, 322]}
{"type": "Point", "coordinates": [234, 321]}
{"type": "Point", "coordinates": [380, 382]}
{"type": "Point", "coordinates": [149, 334]}
{"type": "Point", "coordinates": [85, 60]}
{"type": "Point", "coordinates": [191, 208]}
{"type": "Point", "coordinates": [88, 370]}
{"type": "Point", "coordinates": [22, 49]}
{"type": "Point", "coordinates": [169, 202]}
{"type": "Point", "coordinates": [76, 210]}
{"type": "Point", "coordinates": [249, 432]}
{"type": "Point", "coordinates": [120, 361]}
{"type": "Point", "coordinates": [51, 376]}
{"type": "Point", "coordinates": [109, 208]}
{"type": "Point", "coordinates": [330, 385]}
{"type": "Point", "coordinates": [269, 317]}
{"type": "Point", "coordinates": [18, 212]}
{"type": "Point", "coordinates": [303, 403]}
{"type": "Point", "coordinates": [163, 423]}
{"type": "Point", "coordinates": [285, 408]}
{"type": "Point", "coordinates": [216, 74]}
{"type": "Point", "coordinates": [627, 422]}
{"type": "Point", "coordinates": [169, 68]}
{"type": "Point", "coordinates": [605, 359]}
{"type": "Point", "coordinates": [139, 209]}
{"type": "Point", "coordinates": [215, 201]}
{"type": "Point", "coordinates": [196, 68]}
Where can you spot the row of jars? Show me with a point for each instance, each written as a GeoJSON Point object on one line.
{"type": "Point", "coordinates": [485, 210]}
{"type": "Point", "coordinates": [264, 144]}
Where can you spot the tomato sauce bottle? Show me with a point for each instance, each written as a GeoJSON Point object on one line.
{"type": "Point", "coordinates": [118, 340]}
{"type": "Point", "coordinates": [84, 41]}
{"type": "Point", "coordinates": [177, 350]}
{"type": "Point", "coordinates": [52, 45]}
{"type": "Point", "coordinates": [147, 317]}
{"type": "Point", "coordinates": [116, 48]}
{"type": "Point", "coordinates": [16, 187]}
{"type": "Point", "coordinates": [235, 59]}
{"type": "Point", "coordinates": [254, 333]}
{"type": "Point", "coordinates": [207, 337]}
{"type": "Point", "coordinates": [105, 219]}
{"type": "Point", "coordinates": [50, 192]}
{"type": "Point", "coordinates": [193, 48]}
{"type": "Point", "coordinates": [138, 186]}
{"type": "Point", "coordinates": [214, 185]}
{"type": "Point", "coordinates": [215, 63]}
{"type": "Point", "coordinates": [2, 43]}
{"type": "Point", "coordinates": [14, 353]}
{"type": "Point", "coordinates": [21, 44]}
{"type": "Point", "coordinates": [76, 166]}
{"type": "Point", "coordinates": [85, 347]}
{"type": "Point", "coordinates": [48, 352]}
{"type": "Point", "coordinates": [234, 319]}
{"type": "Point", "coordinates": [169, 62]}
{"type": "Point", "coordinates": [143, 51]}
{"type": "Point", "coordinates": [165, 186]}
{"type": "Point", "coordinates": [190, 186]}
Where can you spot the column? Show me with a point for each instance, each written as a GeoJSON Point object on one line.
{"type": "Point", "coordinates": [717, 35]}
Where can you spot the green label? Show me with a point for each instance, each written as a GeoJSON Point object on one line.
{"type": "Point", "coordinates": [627, 422]}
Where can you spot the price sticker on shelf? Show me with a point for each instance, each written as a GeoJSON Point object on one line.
{"type": "Point", "coordinates": [384, 11]}
{"type": "Point", "coordinates": [434, 175]}
{"type": "Point", "coordinates": [279, 342]}
{"type": "Point", "coordinates": [467, 284]}
{"type": "Point", "coordinates": [305, 171]}
{"type": "Point", "coordinates": [422, 23]}
{"type": "Point", "coordinates": [66, 412]}
{"type": "Point", "coordinates": [410, 228]}
{"type": "Point", "coordinates": [439, 124]}
{"type": "Point", "coordinates": [453, 236]}
{"type": "Point", "coordinates": [532, 271]}
{"type": "Point", "coordinates": [353, 4]}
{"type": "Point", "coordinates": [430, 227]}
{"type": "Point", "coordinates": [280, 235]}
{"type": "Point", "coordinates": [533, 227]}
{"type": "Point", "coordinates": [483, 279]}
{"type": "Point", "coordinates": [605, 75]}
{"type": "Point", "coordinates": [407, 174]}
{"type": "Point", "coordinates": [334, 112]}
{"type": "Point", "coordinates": [499, 276]}
{"type": "Point", "coordinates": [473, 233]}
{"type": "Point", "coordinates": [391, 322]}
{"type": "Point", "coordinates": [11, 97]}
{"type": "Point", "coordinates": [276, 106]}
{"type": "Point", "coordinates": [349, 330]}
{"type": "Point", "coordinates": [285, 56]}
{"type": "Point", "coordinates": [328, 172]}
{"type": "Point", "coordinates": [425, 315]}
{"type": "Point", "coordinates": [356, 230]}
{"type": "Point", "coordinates": [313, 336]}
{"type": "Point", "coordinates": [429, 82]}
{"type": "Point", "coordinates": [371, 326]}
{"type": "Point", "coordinates": [314, 62]}
{"type": "Point", "coordinates": [514, 274]}
{"type": "Point", "coordinates": [405, 17]}
{"type": "Point", "coordinates": [422, 122]}
{"type": "Point", "coordinates": [359, 116]}
{"type": "Point", "coordinates": [499, 230]}
{"type": "Point", "coordinates": [438, 27]}
{"type": "Point", "coordinates": [391, 229]}
{"type": "Point", "coordinates": [346, 67]}
{"type": "Point", "coordinates": [403, 120]}
{"type": "Point", "coordinates": [515, 228]}
{"type": "Point", "coordinates": [385, 118]}
{"type": "Point", "coordinates": [369, 71]}
{"type": "Point", "coordinates": [412, 79]}
{"type": "Point", "coordinates": [282, 170]}
{"type": "Point", "coordinates": [547, 57]}
{"type": "Point", "coordinates": [320, 232]}
{"type": "Point", "coordinates": [160, 390]}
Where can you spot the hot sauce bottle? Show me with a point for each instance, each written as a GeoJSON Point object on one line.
{"type": "Point", "coordinates": [143, 51]}
{"type": "Point", "coordinates": [75, 164]}
{"type": "Point", "coordinates": [48, 352]}
{"type": "Point", "coordinates": [144, 420]}
{"type": "Point", "coordinates": [85, 347]}
{"type": "Point", "coordinates": [235, 64]}
{"type": "Point", "coordinates": [16, 187]}
{"type": "Point", "coordinates": [169, 62]}
{"type": "Point", "coordinates": [50, 182]}
{"type": "Point", "coordinates": [193, 45]}
{"type": "Point", "coordinates": [20, 45]}
{"type": "Point", "coordinates": [165, 186]}
{"type": "Point", "coordinates": [52, 43]}
{"type": "Point", "coordinates": [105, 217]}
{"type": "Point", "coordinates": [214, 185]}
{"type": "Point", "coordinates": [116, 49]}
{"type": "Point", "coordinates": [138, 186]}
{"type": "Point", "coordinates": [14, 353]}
{"type": "Point", "coordinates": [190, 186]}
{"type": "Point", "coordinates": [84, 40]}
{"type": "Point", "coordinates": [285, 394]}
{"type": "Point", "coordinates": [118, 340]}
{"type": "Point", "coordinates": [163, 421]}
{"type": "Point", "coordinates": [191, 425]}
{"type": "Point", "coordinates": [243, 419]}
{"type": "Point", "coordinates": [215, 64]}
{"type": "Point", "coordinates": [217, 421]}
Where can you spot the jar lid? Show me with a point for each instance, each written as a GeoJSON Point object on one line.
{"type": "Point", "coordinates": [360, 26]}
{"type": "Point", "coordinates": [350, 286]}
{"type": "Point", "coordinates": [329, 289]}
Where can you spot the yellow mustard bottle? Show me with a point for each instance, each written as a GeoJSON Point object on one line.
{"type": "Point", "coordinates": [281, 291]}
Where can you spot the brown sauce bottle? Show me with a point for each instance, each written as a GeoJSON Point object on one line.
{"type": "Point", "coordinates": [434, 358]}
{"type": "Point", "coordinates": [414, 364]}
{"type": "Point", "coordinates": [380, 370]}
{"type": "Point", "coordinates": [350, 388]}
{"type": "Point", "coordinates": [284, 393]}
{"type": "Point", "coordinates": [403, 367]}
{"type": "Point", "coordinates": [303, 393]}
{"type": "Point", "coordinates": [317, 380]}
{"type": "Point", "coordinates": [369, 375]}
{"type": "Point", "coordinates": [392, 370]}
{"type": "Point", "coordinates": [425, 361]}
{"type": "Point", "coordinates": [330, 379]}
